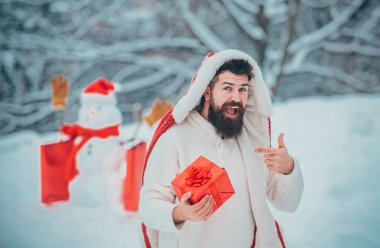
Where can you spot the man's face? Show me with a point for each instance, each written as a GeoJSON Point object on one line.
{"type": "Point", "coordinates": [228, 98]}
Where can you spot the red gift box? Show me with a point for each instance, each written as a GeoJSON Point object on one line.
{"type": "Point", "coordinates": [204, 177]}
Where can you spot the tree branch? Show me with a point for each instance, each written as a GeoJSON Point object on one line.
{"type": "Point", "coordinates": [319, 70]}
{"type": "Point", "coordinates": [248, 6]}
{"type": "Point", "coordinates": [336, 47]}
{"type": "Point", "coordinates": [103, 15]}
{"type": "Point", "coordinates": [200, 30]}
{"type": "Point", "coordinates": [256, 33]}
{"type": "Point", "coordinates": [327, 30]}
{"type": "Point", "coordinates": [278, 67]}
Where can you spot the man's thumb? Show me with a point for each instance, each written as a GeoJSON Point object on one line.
{"type": "Point", "coordinates": [185, 197]}
{"type": "Point", "coordinates": [281, 143]}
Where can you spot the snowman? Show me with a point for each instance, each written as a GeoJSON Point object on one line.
{"type": "Point", "coordinates": [99, 160]}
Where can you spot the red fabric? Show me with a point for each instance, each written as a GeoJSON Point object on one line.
{"type": "Point", "coordinates": [166, 122]}
{"type": "Point", "coordinates": [74, 131]}
{"type": "Point", "coordinates": [100, 86]}
{"type": "Point", "coordinates": [280, 235]}
{"type": "Point", "coordinates": [204, 177]}
{"type": "Point", "coordinates": [254, 238]}
{"type": "Point", "coordinates": [196, 73]}
{"type": "Point", "coordinates": [146, 239]}
{"type": "Point", "coordinates": [132, 183]}
{"type": "Point", "coordinates": [204, 60]}
{"type": "Point", "coordinates": [53, 157]}
{"type": "Point", "coordinates": [270, 132]}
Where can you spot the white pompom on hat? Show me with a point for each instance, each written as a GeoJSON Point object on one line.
{"type": "Point", "coordinates": [100, 91]}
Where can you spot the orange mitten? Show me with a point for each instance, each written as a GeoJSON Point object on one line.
{"type": "Point", "coordinates": [60, 89]}
{"type": "Point", "coordinates": [158, 110]}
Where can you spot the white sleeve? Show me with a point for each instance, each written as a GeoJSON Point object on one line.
{"type": "Point", "coordinates": [285, 191]}
{"type": "Point", "coordinates": [157, 196]}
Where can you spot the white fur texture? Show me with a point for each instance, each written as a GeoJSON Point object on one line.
{"type": "Point", "coordinates": [258, 101]}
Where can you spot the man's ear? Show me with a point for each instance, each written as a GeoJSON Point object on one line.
{"type": "Point", "coordinates": [207, 94]}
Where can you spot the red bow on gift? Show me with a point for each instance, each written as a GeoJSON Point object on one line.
{"type": "Point", "coordinates": [198, 176]}
{"type": "Point", "coordinates": [76, 130]}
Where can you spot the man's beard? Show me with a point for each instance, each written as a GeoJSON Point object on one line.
{"type": "Point", "coordinates": [225, 126]}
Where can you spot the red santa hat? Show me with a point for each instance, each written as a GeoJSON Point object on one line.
{"type": "Point", "coordinates": [259, 101]}
{"type": "Point", "coordinates": [101, 91]}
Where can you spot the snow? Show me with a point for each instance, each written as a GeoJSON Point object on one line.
{"type": "Point", "coordinates": [336, 140]}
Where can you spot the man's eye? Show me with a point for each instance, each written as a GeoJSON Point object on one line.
{"type": "Point", "coordinates": [228, 88]}
{"type": "Point", "coordinates": [243, 89]}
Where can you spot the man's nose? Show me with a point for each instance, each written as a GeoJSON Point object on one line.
{"type": "Point", "coordinates": [236, 96]}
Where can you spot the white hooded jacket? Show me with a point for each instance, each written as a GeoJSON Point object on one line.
{"type": "Point", "coordinates": [172, 154]}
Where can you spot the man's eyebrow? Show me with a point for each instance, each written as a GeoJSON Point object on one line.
{"type": "Point", "coordinates": [232, 84]}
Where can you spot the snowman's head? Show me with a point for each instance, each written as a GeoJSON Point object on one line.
{"type": "Point", "coordinates": [98, 105]}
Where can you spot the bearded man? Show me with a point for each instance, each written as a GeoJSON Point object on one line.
{"type": "Point", "coordinates": [225, 117]}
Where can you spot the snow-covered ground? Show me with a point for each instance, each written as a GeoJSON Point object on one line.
{"type": "Point", "coordinates": [336, 139]}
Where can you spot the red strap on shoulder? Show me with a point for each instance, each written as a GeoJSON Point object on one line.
{"type": "Point", "coordinates": [278, 233]}
{"type": "Point", "coordinates": [166, 122]}
{"type": "Point", "coordinates": [146, 240]}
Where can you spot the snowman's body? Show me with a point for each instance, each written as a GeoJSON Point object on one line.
{"type": "Point", "coordinates": [99, 160]}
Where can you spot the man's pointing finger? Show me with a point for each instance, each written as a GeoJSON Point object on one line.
{"type": "Point", "coordinates": [265, 150]}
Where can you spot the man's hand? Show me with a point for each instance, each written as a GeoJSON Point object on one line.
{"type": "Point", "coordinates": [196, 212]}
{"type": "Point", "coordinates": [278, 159]}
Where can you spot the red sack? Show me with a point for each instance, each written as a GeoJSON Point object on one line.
{"type": "Point", "coordinates": [204, 177]}
{"type": "Point", "coordinates": [135, 157]}
{"type": "Point", "coordinates": [54, 185]}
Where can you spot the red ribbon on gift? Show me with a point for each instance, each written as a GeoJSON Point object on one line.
{"type": "Point", "coordinates": [198, 176]}
{"type": "Point", "coordinates": [76, 130]}
{"type": "Point", "coordinates": [201, 175]}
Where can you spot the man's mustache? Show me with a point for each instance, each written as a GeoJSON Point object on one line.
{"type": "Point", "coordinates": [233, 104]}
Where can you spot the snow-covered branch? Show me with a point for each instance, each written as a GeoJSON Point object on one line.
{"type": "Point", "coordinates": [342, 48]}
{"type": "Point", "coordinates": [245, 22]}
{"type": "Point", "coordinates": [144, 82]}
{"type": "Point", "coordinates": [200, 30]}
{"type": "Point", "coordinates": [318, 4]}
{"type": "Point", "coordinates": [151, 44]}
{"type": "Point", "coordinates": [248, 6]}
{"type": "Point", "coordinates": [328, 72]}
{"type": "Point", "coordinates": [276, 74]}
{"type": "Point", "coordinates": [275, 9]}
{"type": "Point", "coordinates": [171, 91]}
{"type": "Point", "coordinates": [101, 16]}
{"type": "Point", "coordinates": [329, 29]}
{"type": "Point", "coordinates": [33, 3]}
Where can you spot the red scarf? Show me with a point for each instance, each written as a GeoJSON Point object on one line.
{"type": "Point", "coordinates": [74, 131]}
